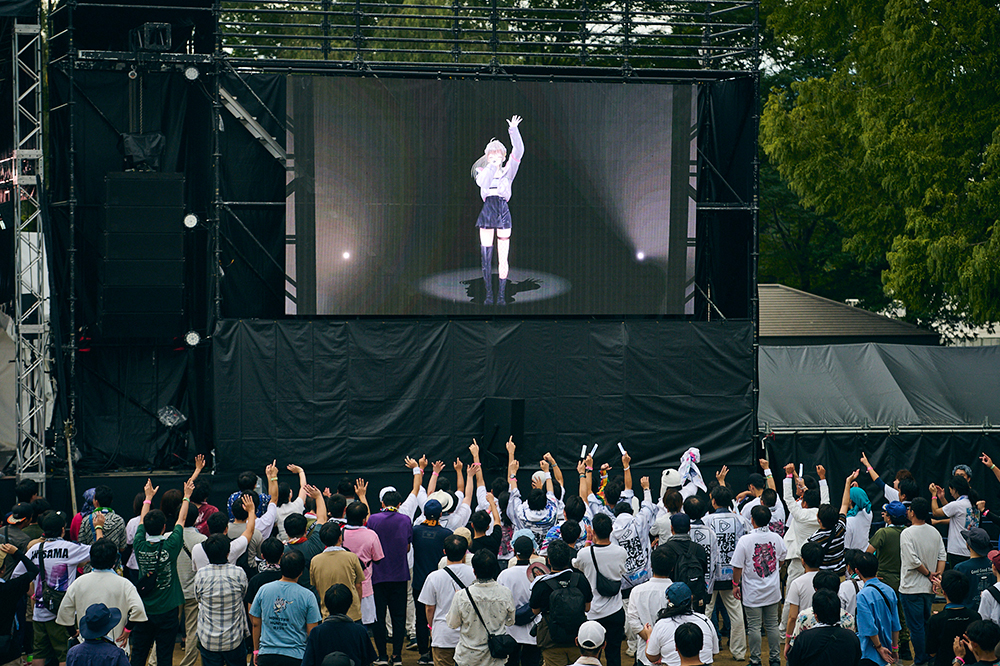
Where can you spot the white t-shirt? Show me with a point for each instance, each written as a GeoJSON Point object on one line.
{"type": "Point", "coordinates": [858, 528]}
{"type": "Point", "coordinates": [778, 515]}
{"type": "Point", "coordinates": [661, 640]}
{"type": "Point", "coordinates": [611, 560]}
{"type": "Point", "coordinates": [644, 602]}
{"type": "Point", "coordinates": [919, 544]}
{"type": "Point", "coordinates": [961, 517]}
{"type": "Point", "coordinates": [800, 592]}
{"type": "Point", "coordinates": [515, 579]}
{"type": "Point", "coordinates": [61, 559]}
{"type": "Point", "coordinates": [131, 527]}
{"type": "Point", "coordinates": [285, 510]}
{"type": "Point", "coordinates": [848, 594]}
{"type": "Point", "coordinates": [237, 547]}
{"type": "Point", "coordinates": [439, 589]}
{"type": "Point", "coordinates": [759, 554]}
{"type": "Point", "coordinates": [989, 609]}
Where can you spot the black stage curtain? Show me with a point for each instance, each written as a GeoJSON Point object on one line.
{"type": "Point", "coordinates": [360, 395]}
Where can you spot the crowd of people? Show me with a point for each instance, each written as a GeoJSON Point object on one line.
{"type": "Point", "coordinates": [470, 573]}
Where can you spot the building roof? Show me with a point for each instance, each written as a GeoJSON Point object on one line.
{"type": "Point", "coordinates": [797, 317]}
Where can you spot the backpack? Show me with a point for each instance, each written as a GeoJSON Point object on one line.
{"type": "Point", "coordinates": [688, 569]}
{"type": "Point", "coordinates": [567, 609]}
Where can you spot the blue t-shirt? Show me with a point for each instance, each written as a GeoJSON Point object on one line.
{"type": "Point", "coordinates": [284, 610]}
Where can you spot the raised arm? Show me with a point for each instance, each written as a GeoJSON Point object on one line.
{"type": "Point", "coordinates": [474, 450]}
{"type": "Point", "coordinates": [517, 151]}
{"type": "Point", "coordinates": [584, 491]}
{"type": "Point", "coordinates": [271, 472]}
{"type": "Point", "coordinates": [937, 501]}
{"type": "Point", "coordinates": [766, 466]}
{"type": "Point", "coordinates": [721, 475]}
{"type": "Point", "coordinates": [494, 508]}
{"type": "Point", "coordinates": [845, 503]}
{"type": "Point", "coordinates": [295, 469]}
{"type": "Point", "coordinates": [824, 487]}
{"type": "Point", "coordinates": [627, 466]}
{"type": "Point", "coordinates": [361, 490]}
{"type": "Point", "coordinates": [556, 472]}
{"type": "Point", "coordinates": [251, 510]}
{"type": "Point", "coordinates": [199, 464]}
{"type": "Point", "coordinates": [460, 481]}
{"type": "Point", "coordinates": [150, 491]}
{"type": "Point", "coordinates": [317, 494]}
{"type": "Point", "coordinates": [185, 503]}
{"type": "Point", "coordinates": [986, 460]}
{"type": "Point", "coordinates": [418, 474]}
{"type": "Point", "coordinates": [544, 465]}
{"type": "Point", "coordinates": [436, 467]}
{"type": "Point", "coordinates": [512, 468]}
{"type": "Point", "coordinates": [473, 470]}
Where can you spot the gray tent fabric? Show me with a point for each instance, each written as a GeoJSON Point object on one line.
{"type": "Point", "coordinates": [878, 385]}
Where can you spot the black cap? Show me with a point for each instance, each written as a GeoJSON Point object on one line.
{"type": "Point", "coordinates": [21, 511]}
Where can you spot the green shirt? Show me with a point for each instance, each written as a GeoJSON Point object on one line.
{"type": "Point", "coordinates": [886, 544]}
{"type": "Point", "coordinates": [160, 555]}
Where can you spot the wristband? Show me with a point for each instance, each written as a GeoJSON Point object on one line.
{"type": "Point", "coordinates": [149, 501]}
{"type": "Point", "coordinates": [960, 660]}
{"type": "Point", "coordinates": [895, 647]}
{"type": "Point", "coordinates": [546, 476]}
{"type": "Point", "coordinates": [590, 469]}
{"type": "Point", "coordinates": [788, 636]}
{"type": "Point", "coordinates": [869, 468]}
{"type": "Point", "coordinates": [584, 476]}
{"type": "Point", "coordinates": [626, 469]}
{"type": "Point", "coordinates": [98, 527]}
{"type": "Point", "coordinates": [435, 473]}
{"type": "Point", "coordinates": [789, 476]}
{"type": "Point", "coordinates": [992, 466]}
{"type": "Point", "coordinates": [417, 471]}
{"type": "Point", "coordinates": [187, 499]}
{"type": "Point", "coordinates": [272, 478]}
{"type": "Point", "coordinates": [767, 472]}
{"type": "Point", "coordinates": [513, 477]}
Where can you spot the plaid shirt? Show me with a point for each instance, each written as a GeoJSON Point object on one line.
{"type": "Point", "coordinates": [222, 618]}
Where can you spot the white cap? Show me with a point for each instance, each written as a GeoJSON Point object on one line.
{"type": "Point", "coordinates": [591, 635]}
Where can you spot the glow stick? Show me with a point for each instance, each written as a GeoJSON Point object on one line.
{"type": "Point", "coordinates": [583, 452]}
{"type": "Point", "coordinates": [621, 448]}
{"type": "Point", "coordinates": [593, 450]}
{"type": "Point", "coordinates": [800, 470]}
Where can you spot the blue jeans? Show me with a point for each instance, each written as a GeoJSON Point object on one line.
{"type": "Point", "coordinates": [235, 657]}
{"type": "Point", "coordinates": [917, 609]}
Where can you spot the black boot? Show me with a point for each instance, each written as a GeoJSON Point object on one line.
{"type": "Point", "coordinates": [501, 297]}
{"type": "Point", "coordinates": [486, 254]}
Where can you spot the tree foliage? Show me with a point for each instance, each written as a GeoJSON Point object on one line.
{"type": "Point", "coordinates": [897, 137]}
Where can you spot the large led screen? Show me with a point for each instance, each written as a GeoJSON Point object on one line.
{"type": "Point", "coordinates": [439, 196]}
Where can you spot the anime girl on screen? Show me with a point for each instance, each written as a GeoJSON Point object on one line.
{"type": "Point", "coordinates": [494, 179]}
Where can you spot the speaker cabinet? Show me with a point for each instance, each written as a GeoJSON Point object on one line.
{"type": "Point", "coordinates": [141, 247]}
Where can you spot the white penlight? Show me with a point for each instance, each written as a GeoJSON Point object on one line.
{"type": "Point", "coordinates": [346, 255]}
{"type": "Point", "coordinates": [640, 256]}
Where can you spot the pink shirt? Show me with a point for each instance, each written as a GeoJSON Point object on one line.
{"type": "Point", "coordinates": [364, 543]}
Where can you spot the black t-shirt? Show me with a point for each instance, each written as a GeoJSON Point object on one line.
{"type": "Point", "coordinates": [428, 549]}
{"type": "Point", "coordinates": [943, 627]}
{"type": "Point", "coordinates": [309, 548]}
{"type": "Point", "coordinates": [825, 646]}
{"type": "Point", "coordinates": [258, 581]}
{"type": "Point", "coordinates": [490, 542]}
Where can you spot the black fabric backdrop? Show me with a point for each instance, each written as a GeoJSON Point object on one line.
{"type": "Point", "coordinates": [360, 395]}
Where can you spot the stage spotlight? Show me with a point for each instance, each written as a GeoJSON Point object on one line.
{"type": "Point", "coordinates": [346, 255]}
{"type": "Point", "coordinates": [191, 73]}
{"type": "Point", "coordinates": [192, 338]}
{"type": "Point", "coordinates": [640, 256]}
{"type": "Point", "coordinates": [190, 220]}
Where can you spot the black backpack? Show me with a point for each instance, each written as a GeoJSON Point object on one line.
{"type": "Point", "coordinates": [689, 569]}
{"type": "Point", "coordinates": [567, 609]}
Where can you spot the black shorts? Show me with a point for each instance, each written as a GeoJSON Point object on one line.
{"type": "Point", "coordinates": [495, 214]}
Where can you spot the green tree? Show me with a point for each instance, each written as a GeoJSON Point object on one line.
{"type": "Point", "coordinates": [898, 139]}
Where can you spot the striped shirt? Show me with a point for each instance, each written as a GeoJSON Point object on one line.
{"type": "Point", "coordinates": [832, 542]}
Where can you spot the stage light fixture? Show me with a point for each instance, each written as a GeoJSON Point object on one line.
{"type": "Point", "coordinates": [346, 255]}
{"type": "Point", "coordinates": [192, 338]}
{"type": "Point", "coordinates": [190, 220]}
{"type": "Point", "coordinates": [640, 256]}
{"type": "Point", "coordinates": [191, 73]}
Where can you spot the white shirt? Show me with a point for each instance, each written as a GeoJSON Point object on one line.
{"type": "Point", "coordinates": [803, 523]}
{"type": "Point", "coordinates": [644, 602]}
{"type": "Point", "coordinates": [759, 554]}
{"type": "Point", "coordinates": [439, 589]}
{"type": "Point", "coordinates": [800, 592]}
{"type": "Point", "coordinates": [61, 559]}
{"type": "Point", "coordinates": [285, 510]}
{"type": "Point", "coordinates": [515, 579]}
{"type": "Point", "coordinates": [237, 547]}
{"type": "Point", "coordinates": [131, 527]}
{"type": "Point", "coordinates": [778, 515]}
{"type": "Point", "coordinates": [106, 587]}
{"type": "Point", "coordinates": [859, 526]}
{"type": "Point", "coordinates": [919, 544]}
{"type": "Point", "coordinates": [989, 609]}
{"type": "Point", "coordinates": [611, 560]}
{"type": "Point", "coordinates": [848, 594]}
{"type": "Point", "coordinates": [961, 517]}
{"type": "Point", "coordinates": [631, 532]}
{"type": "Point", "coordinates": [728, 528]}
{"type": "Point", "coordinates": [661, 641]}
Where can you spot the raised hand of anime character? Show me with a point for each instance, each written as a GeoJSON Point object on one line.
{"type": "Point", "coordinates": [514, 121]}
